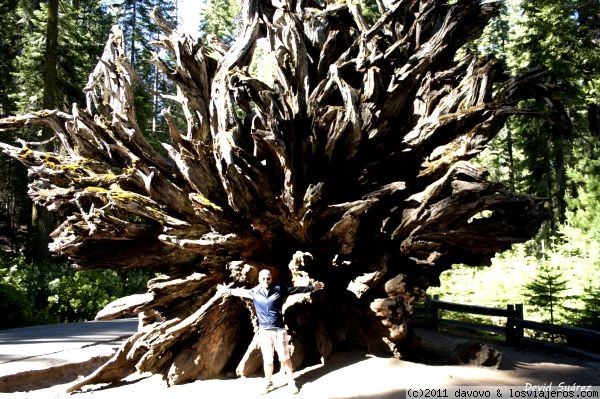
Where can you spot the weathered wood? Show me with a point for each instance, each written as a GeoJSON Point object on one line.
{"type": "Point", "coordinates": [251, 361]}
{"type": "Point", "coordinates": [117, 368]}
{"type": "Point", "coordinates": [351, 166]}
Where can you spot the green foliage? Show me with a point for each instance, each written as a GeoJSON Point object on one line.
{"type": "Point", "coordinates": [495, 286]}
{"type": "Point", "coordinates": [48, 293]}
{"type": "Point", "coordinates": [584, 196]}
{"type": "Point", "coordinates": [9, 48]}
{"type": "Point", "coordinates": [20, 286]}
{"type": "Point", "coordinates": [78, 49]}
{"type": "Point", "coordinates": [370, 10]}
{"type": "Point", "coordinates": [556, 36]}
{"type": "Point", "coordinates": [495, 36]}
{"type": "Point", "coordinates": [589, 317]}
{"type": "Point", "coordinates": [15, 308]}
{"type": "Point", "coordinates": [13, 203]}
{"type": "Point", "coordinates": [222, 19]}
{"type": "Point", "coordinates": [133, 16]}
{"type": "Point", "coordinates": [573, 261]}
{"type": "Point", "coordinates": [80, 295]}
{"type": "Point", "coordinates": [535, 155]}
{"type": "Point", "coordinates": [29, 73]}
{"type": "Point", "coordinates": [546, 293]}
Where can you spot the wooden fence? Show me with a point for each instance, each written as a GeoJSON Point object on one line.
{"type": "Point", "coordinates": [514, 325]}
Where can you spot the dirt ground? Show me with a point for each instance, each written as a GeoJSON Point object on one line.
{"type": "Point", "coordinates": [355, 375]}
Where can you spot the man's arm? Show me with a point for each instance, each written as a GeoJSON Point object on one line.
{"type": "Point", "coordinates": [317, 285]}
{"type": "Point", "coordinates": [239, 292]}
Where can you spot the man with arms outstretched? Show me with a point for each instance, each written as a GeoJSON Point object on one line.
{"type": "Point", "coordinates": [268, 301]}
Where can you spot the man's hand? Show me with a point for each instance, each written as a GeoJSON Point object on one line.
{"type": "Point", "coordinates": [223, 289]}
{"type": "Point", "coordinates": [317, 285]}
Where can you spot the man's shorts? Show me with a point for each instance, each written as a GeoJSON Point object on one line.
{"type": "Point", "coordinates": [274, 340]}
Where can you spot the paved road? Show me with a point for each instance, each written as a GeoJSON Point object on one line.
{"type": "Point", "coordinates": [23, 351]}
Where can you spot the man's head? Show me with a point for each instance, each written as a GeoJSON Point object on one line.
{"type": "Point", "coordinates": [264, 278]}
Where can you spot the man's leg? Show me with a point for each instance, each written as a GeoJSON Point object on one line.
{"type": "Point", "coordinates": [267, 347]}
{"type": "Point", "coordinates": [286, 365]}
{"type": "Point", "coordinates": [283, 352]}
{"type": "Point", "coordinates": [268, 367]}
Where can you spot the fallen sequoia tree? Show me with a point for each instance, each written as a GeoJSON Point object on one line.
{"type": "Point", "coordinates": [351, 167]}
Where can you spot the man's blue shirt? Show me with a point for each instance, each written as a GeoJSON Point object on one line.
{"type": "Point", "coordinates": [269, 303]}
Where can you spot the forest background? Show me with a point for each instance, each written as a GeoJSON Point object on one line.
{"type": "Point", "coordinates": [48, 48]}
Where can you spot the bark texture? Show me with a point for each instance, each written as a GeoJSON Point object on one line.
{"type": "Point", "coordinates": [350, 165]}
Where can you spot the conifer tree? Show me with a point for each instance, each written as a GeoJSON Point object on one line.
{"type": "Point", "coordinates": [11, 193]}
{"type": "Point", "coordinates": [79, 30]}
{"type": "Point", "coordinates": [8, 49]}
{"type": "Point", "coordinates": [560, 38]}
{"type": "Point", "coordinates": [133, 16]}
{"type": "Point", "coordinates": [547, 291]}
{"type": "Point", "coordinates": [222, 19]}
{"type": "Point", "coordinates": [589, 317]}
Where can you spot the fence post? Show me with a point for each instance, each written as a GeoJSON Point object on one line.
{"type": "Point", "coordinates": [431, 311]}
{"type": "Point", "coordinates": [518, 326]}
{"type": "Point", "coordinates": [514, 330]}
{"type": "Point", "coordinates": [510, 331]}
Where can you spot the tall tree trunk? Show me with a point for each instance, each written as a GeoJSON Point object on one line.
{"type": "Point", "coordinates": [41, 220]}
{"type": "Point", "coordinates": [594, 120]}
{"type": "Point", "coordinates": [132, 39]}
{"type": "Point", "coordinates": [51, 56]}
{"type": "Point", "coordinates": [351, 167]}
{"type": "Point", "coordinates": [589, 17]}
{"type": "Point", "coordinates": [511, 160]}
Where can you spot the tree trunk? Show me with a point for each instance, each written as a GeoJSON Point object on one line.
{"type": "Point", "coordinates": [41, 222]}
{"type": "Point", "coordinates": [351, 167]}
{"type": "Point", "coordinates": [51, 56]}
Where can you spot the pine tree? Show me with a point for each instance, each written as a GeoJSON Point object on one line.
{"type": "Point", "coordinates": [547, 291]}
{"type": "Point", "coordinates": [140, 32]}
{"type": "Point", "coordinates": [589, 317]}
{"type": "Point", "coordinates": [587, 13]}
{"type": "Point", "coordinates": [561, 38]}
{"type": "Point", "coordinates": [79, 31]}
{"type": "Point", "coordinates": [12, 183]}
{"type": "Point", "coordinates": [222, 19]}
{"type": "Point", "coordinates": [8, 48]}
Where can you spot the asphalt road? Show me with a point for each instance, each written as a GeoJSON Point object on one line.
{"type": "Point", "coordinates": [25, 350]}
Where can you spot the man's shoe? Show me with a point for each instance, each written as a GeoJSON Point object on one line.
{"type": "Point", "coordinates": [268, 387]}
{"type": "Point", "coordinates": [293, 387]}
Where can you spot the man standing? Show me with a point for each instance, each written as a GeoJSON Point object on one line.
{"type": "Point", "coordinates": [272, 337]}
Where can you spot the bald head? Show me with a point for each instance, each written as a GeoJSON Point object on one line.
{"type": "Point", "coordinates": [265, 278]}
